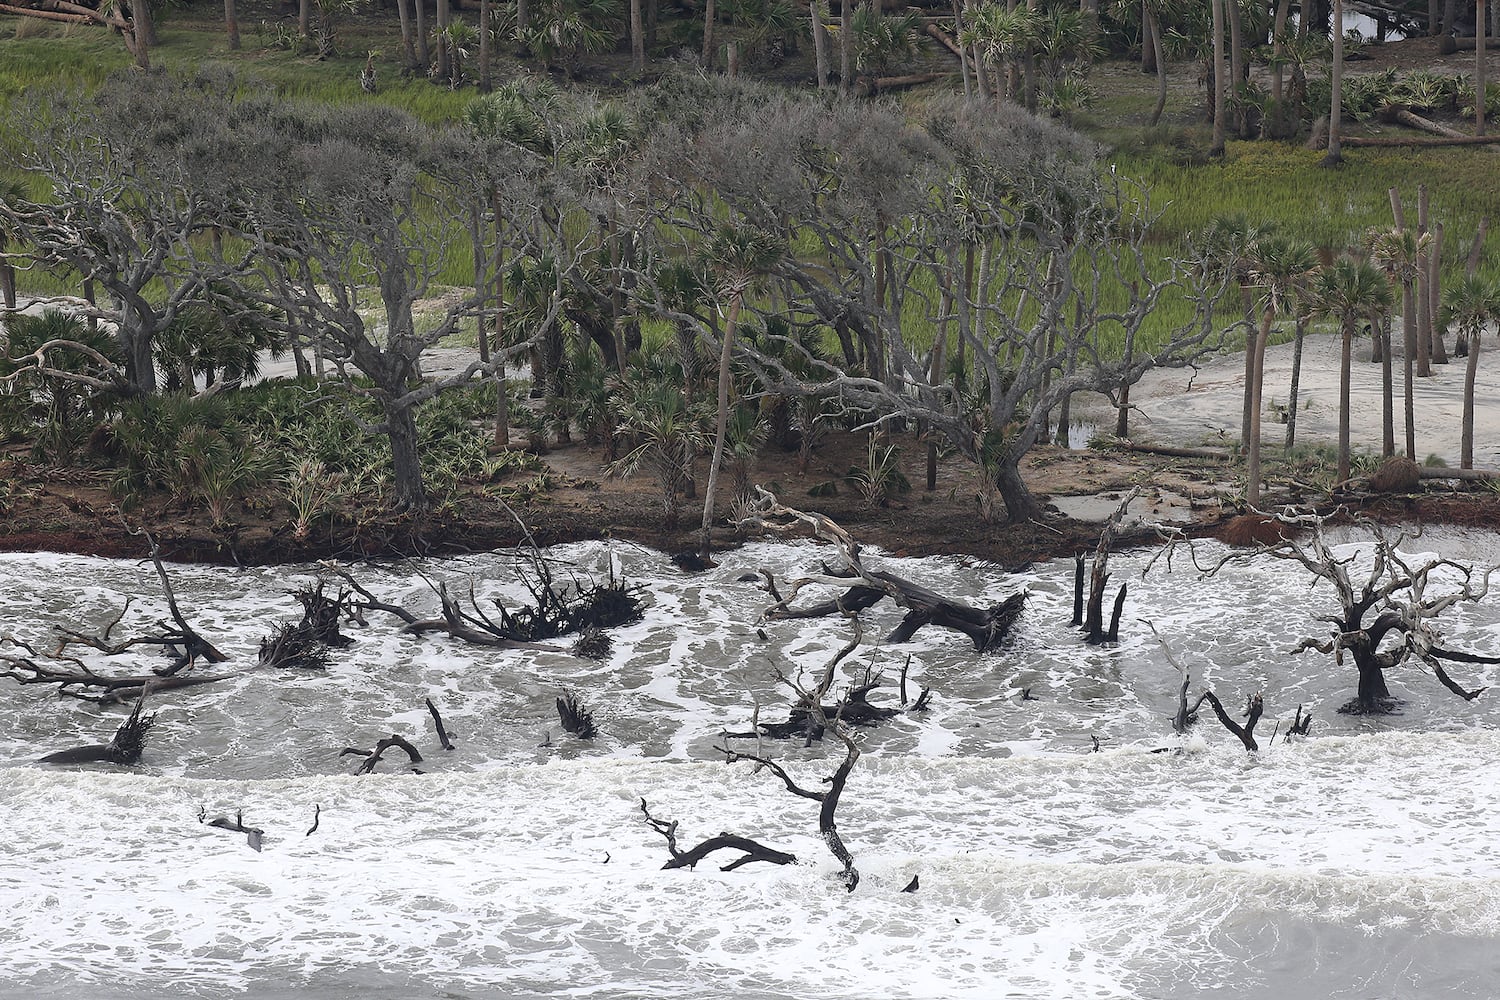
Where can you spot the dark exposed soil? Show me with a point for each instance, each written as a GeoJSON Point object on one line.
{"type": "Point", "coordinates": [71, 510]}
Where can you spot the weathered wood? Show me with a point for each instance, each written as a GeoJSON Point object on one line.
{"type": "Point", "coordinates": [1405, 116]}
{"type": "Point", "coordinates": [437, 721]}
{"type": "Point", "coordinates": [1421, 141]}
{"type": "Point", "coordinates": [986, 627]}
{"type": "Point", "coordinates": [1246, 733]}
{"type": "Point", "coordinates": [1172, 451]}
{"type": "Point", "coordinates": [750, 850]}
{"type": "Point", "coordinates": [1463, 475]}
{"type": "Point", "coordinates": [372, 757]}
{"type": "Point", "coordinates": [943, 39]}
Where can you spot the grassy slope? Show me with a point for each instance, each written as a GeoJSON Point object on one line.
{"type": "Point", "coordinates": [1275, 185]}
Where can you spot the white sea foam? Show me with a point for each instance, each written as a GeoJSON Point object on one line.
{"type": "Point", "coordinates": [519, 864]}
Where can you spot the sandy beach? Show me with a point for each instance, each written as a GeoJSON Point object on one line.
{"type": "Point", "coordinates": [1202, 405]}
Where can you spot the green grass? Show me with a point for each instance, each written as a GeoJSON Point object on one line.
{"type": "Point", "coordinates": [1283, 186]}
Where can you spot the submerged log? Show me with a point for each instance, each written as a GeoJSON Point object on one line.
{"type": "Point", "coordinates": [1245, 733]}
{"type": "Point", "coordinates": [126, 747]}
{"type": "Point", "coordinates": [986, 627]}
{"type": "Point", "coordinates": [750, 851]}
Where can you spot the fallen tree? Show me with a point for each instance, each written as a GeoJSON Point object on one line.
{"type": "Point", "coordinates": [584, 609]}
{"type": "Point", "coordinates": [183, 641]}
{"type": "Point", "coordinates": [126, 747]}
{"type": "Point", "coordinates": [750, 850]}
{"type": "Point", "coordinates": [864, 587]}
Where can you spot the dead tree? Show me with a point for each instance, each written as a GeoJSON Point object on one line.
{"type": "Point", "coordinates": [126, 747]}
{"type": "Point", "coordinates": [437, 721]}
{"type": "Point", "coordinates": [372, 757]}
{"type": "Point", "coordinates": [305, 644]}
{"type": "Point", "coordinates": [750, 850]}
{"type": "Point", "coordinates": [1300, 725]}
{"type": "Point", "coordinates": [864, 587]}
{"type": "Point", "coordinates": [575, 716]}
{"type": "Point", "coordinates": [1093, 620]}
{"type": "Point", "coordinates": [1394, 590]}
{"type": "Point", "coordinates": [828, 798]}
{"type": "Point", "coordinates": [557, 611]}
{"type": "Point", "coordinates": [183, 641]}
{"type": "Point", "coordinates": [1185, 717]}
{"type": "Point", "coordinates": [77, 680]}
{"type": "Point", "coordinates": [322, 614]}
{"type": "Point", "coordinates": [1246, 733]}
{"type": "Point", "coordinates": [294, 645]}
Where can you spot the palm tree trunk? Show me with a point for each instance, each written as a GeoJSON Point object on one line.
{"type": "Point", "coordinates": [304, 18]}
{"type": "Point", "coordinates": [1435, 296]}
{"type": "Point", "coordinates": [424, 54]}
{"type": "Point", "coordinates": [721, 421]}
{"type": "Point", "coordinates": [1236, 64]}
{"type": "Point", "coordinates": [1424, 292]}
{"type": "Point", "coordinates": [444, 57]}
{"type": "Point", "coordinates": [1292, 402]}
{"type": "Point", "coordinates": [1336, 103]}
{"type": "Point", "coordinates": [820, 43]}
{"type": "Point", "coordinates": [1257, 368]}
{"type": "Point", "coordinates": [523, 24]}
{"type": "Point", "coordinates": [1153, 30]}
{"type": "Point", "coordinates": [1409, 349]}
{"type": "Point", "coordinates": [709, 16]}
{"type": "Point", "coordinates": [1387, 400]}
{"type": "Point", "coordinates": [1479, 67]}
{"type": "Point", "coordinates": [637, 39]}
{"type": "Point", "coordinates": [231, 24]}
{"type": "Point", "coordinates": [1216, 151]}
{"type": "Point", "coordinates": [1346, 358]}
{"type": "Point", "coordinates": [846, 46]}
{"type": "Point", "coordinates": [1466, 437]}
{"type": "Point", "coordinates": [486, 84]}
{"type": "Point", "coordinates": [1278, 71]}
{"type": "Point", "coordinates": [408, 49]}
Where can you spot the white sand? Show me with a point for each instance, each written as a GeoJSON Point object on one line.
{"type": "Point", "coordinates": [1203, 406]}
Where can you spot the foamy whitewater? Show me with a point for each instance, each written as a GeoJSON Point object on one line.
{"type": "Point", "coordinates": [1361, 862]}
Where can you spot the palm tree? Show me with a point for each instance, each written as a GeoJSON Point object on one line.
{"type": "Point", "coordinates": [1279, 266]}
{"type": "Point", "coordinates": [11, 192]}
{"type": "Point", "coordinates": [665, 429]}
{"type": "Point", "coordinates": [1336, 109]}
{"type": "Point", "coordinates": [1470, 305]}
{"type": "Point", "coordinates": [1349, 290]}
{"type": "Point", "coordinates": [1399, 253]}
{"type": "Point", "coordinates": [740, 256]}
{"type": "Point", "coordinates": [1220, 81]}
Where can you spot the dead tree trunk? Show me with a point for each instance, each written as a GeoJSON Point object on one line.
{"type": "Point", "coordinates": [1246, 733]}
{"type": "Point", "coordinates": [986, 627]}
{"type": "Point", "coordinates": [750, 850]}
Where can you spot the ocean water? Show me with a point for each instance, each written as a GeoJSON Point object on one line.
{"type": "Point", "coordinates": [1363, 861]}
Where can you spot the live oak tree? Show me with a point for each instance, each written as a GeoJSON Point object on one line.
{"type": "Point", "coordinates": [984, 222]}
{"type": "Point", "coordinates": [361, 206]}
{"type": "Point", "coordinates": [135, 177]}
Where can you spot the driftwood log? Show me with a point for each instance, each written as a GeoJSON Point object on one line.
{"type": "Point", "coordinates": [863, 587]}
{"type": "Point", "coordinates": [750, 850]}
{"type": "Point", "coordinates": [372, 757]}
{"type": "Point", "coordinates": [126, 747]}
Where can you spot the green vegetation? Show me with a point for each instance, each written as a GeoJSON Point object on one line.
{"type": "Point", "coordinates": [940, 262]}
